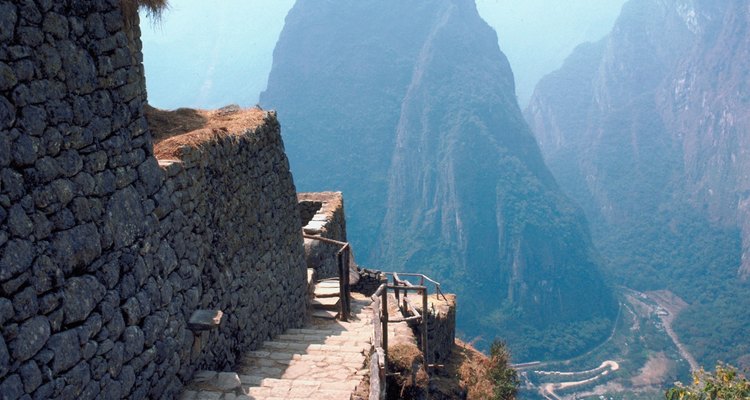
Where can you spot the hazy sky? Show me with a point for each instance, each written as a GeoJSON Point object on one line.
{"type": "Point", "coordinates": [210, 54]}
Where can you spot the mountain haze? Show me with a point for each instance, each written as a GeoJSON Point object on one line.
{"type": "Point", "coordinates": [648, 130]}
{"type": "Point", "coordinates": [409, 108]}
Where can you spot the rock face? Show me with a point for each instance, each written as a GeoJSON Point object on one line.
{"type": "Point", "coordinates": [410, 110]}
{"type": "Point", "coordinates": [105, 253]}
{"type": "Point", "coordinates": [648, 131]}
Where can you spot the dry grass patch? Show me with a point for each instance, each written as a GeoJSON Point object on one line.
{"type": "Point", "coordinates": [472, 368]}
{"type": "Point", "coordinates": [187, 127]}
{"type": "Point", "coordinates": [154, 8]}
{"type": "Point", "coordinates": [410, 381]}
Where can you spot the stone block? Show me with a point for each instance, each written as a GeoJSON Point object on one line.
{"type": "Point", "coordinates": [49, 58]}
{"type": "Point", "coordinates": [32, 122]}
{"type": "Point", "coordinates": [12, 387]}
{"type": "Point", "coordinates": [67, 350]}
{"type": "Point", "coordinates": [31, 376]}
{"type": "Point", "coordinates": [226, 381]}
{"type": "Point", "coordinates": [90, 328]}
{"type": "Point", "coordinates": [25, 304]}
{"type": "Point", "coordinates": [203, 320]}
{"type": "Point", "coordinates": [115, 359]}
{"type": "Point", "coordinates": [151, 175]}
{"type": "Point", "coordinates": [76, 247]}
{"type": "Point", "coordinates": [23, 150]}
{"type": "Point", "coordinates": [127, 378]}
{"type": "Point", "coordinates": [33, 334]}
{"type": "Point", "coordinates": [6, 310]}
{"type": "Point", "coordinates": [80, 68]}
{"type": "Point", "coordinates": [81, 295]}
{"type": "Point", "coordinates": [125, 215]}
{"type": "Point", "coordinates": [134, 339]}
{"type": "Point", "coordinates": [8, 18]}
{"type": "Point", "coordinates": [70, 162]}
{"type": "Point", "coordinates": [4, 358]}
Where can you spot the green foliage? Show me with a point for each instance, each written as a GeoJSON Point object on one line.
{"type": "Point", "coordinates": [503, 377]}
{"type": "Point", "coordinates": [686, 254]}
{"type": "Point", "coordinates": [724, 384]}
{"type": "Point", "coordinates": [529, 343]}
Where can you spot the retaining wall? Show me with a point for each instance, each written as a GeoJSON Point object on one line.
{"type": "Point", "coordinates": [105, 254]}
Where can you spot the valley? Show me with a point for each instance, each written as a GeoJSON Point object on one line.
{"type": "Point", "coordinates": [639, 360]}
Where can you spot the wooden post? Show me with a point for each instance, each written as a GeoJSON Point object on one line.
{"type": "Point", "coordinates": [342, 289]}
{"type": "Point", "coordinates": [347, 286]}
{"type": "Point", "coordinates": [384, 321]}
{"type": "Point", "coordinates": [396, 291]}
{"type": "Point", "coordinates": [424, 327]}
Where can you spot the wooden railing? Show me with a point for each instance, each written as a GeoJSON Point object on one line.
{"type": "Point", "coordinates": [379, 358]}
{"type": "Point", "coordinates": [342, 259]}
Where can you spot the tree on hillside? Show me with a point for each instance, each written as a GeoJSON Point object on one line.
{"type": "Point", "coordinates": [726, 383]}
{"type": "Point", "coordinates": [504, 378]}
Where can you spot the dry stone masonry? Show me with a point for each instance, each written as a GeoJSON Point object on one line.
{"type": "Point", "coordinates": [322, 214]}
{"type": "Point", "coordinates": [105, 252]}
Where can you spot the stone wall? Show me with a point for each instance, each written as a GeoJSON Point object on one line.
{"type": "Point", "coordinates": [441, 327]}
{"type": "Point", "coordinates": [322, 214]}
{"type": "Point", "coordinates": [308, 209]}
{"type": "Point", "coordinates": [369, 281]}
{"type": "Point", "coordinates": [104, 255]}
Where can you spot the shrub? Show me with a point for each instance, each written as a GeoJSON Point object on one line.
{"type": "Point", "coordinates": [726, 383]}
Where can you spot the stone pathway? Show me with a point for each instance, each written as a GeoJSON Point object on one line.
{"type": "Point", "coordinates": [324, 360]}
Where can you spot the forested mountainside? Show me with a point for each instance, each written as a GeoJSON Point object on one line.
{"type": "Point", "coordinates": [409, 108]}
{"type": "Point", "coordinates": [648, 130]}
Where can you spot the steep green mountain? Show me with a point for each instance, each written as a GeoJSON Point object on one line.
{"type": "Point", "coordinates": [648, 130]}
{"type": "Point", "coordinates": [409, 108]}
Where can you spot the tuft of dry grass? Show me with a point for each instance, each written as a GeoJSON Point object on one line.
{"type": "Point", "coordinates": [410, 380]}
{"type": "Point", "coordinates": [186, 127]}
{"type": "Point", "coordinates": [472, 368]}
{"type": "Point", "coordinates": [154, 9]}
{"type": "Point", "coordinates": [165, 124]}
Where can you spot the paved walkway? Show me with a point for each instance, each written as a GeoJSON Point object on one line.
{"type": "Point", "coordinates": [324, 360]}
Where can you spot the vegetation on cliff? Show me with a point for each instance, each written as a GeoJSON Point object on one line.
{"type": "Point", "coordinates": [473, 375]}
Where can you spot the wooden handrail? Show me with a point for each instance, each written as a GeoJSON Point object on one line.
{"type": "Point", "coordinates": [422, 278]}
{"type": "Point", "coordinates": [381, 318]}
{"type": "Point", "coordinates": [342, 259]}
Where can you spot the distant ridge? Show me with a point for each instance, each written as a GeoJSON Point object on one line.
{"type": "Point", "coordinates": [648, 130]}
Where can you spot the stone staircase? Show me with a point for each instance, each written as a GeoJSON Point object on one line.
{"type": "Point", "coordinates": [325, 299]}
{"type": "Point", "coordinates": [323, 360]}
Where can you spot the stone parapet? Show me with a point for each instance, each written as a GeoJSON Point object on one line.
{"type": "Point", "coordinates": [441, 326]}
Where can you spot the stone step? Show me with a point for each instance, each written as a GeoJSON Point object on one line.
{"type": "Point", "coordinates": [309, 339]}
{"type": "Point", "coordinates": [323, 361]}
{"type": "Point", "coordinates": [320, 372]}
{"type": "Point", "coordinates": [324, 314]}
{"type": "Point", "coordinates": [274, 346]}
{"type": "Point", "coordinates": [290, 358]}
{"type": "Point", "coordinates": [307, 348]}
{"type": "Point", "coordinates": [297, 393]}
{"type": "Point", "coordinates": [326, 303]}
{"type": "Point", "coordinates": [321, 291]}
{"type": "Point", "coordinates": [329, 282]}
